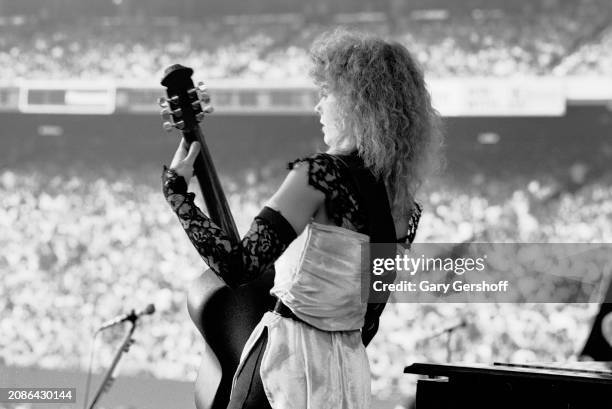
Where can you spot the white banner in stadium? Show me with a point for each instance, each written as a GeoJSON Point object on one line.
{"type": "Point", "coordinates": [66, 97]}
{"type": "Point", "coordinates": [498, 97]}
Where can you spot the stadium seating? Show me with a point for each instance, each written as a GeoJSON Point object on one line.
{"type": "Point", "coordinates": [567, 40]}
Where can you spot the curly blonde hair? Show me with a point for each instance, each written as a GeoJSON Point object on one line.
{"type": "Point", "coordinates": [385, 106]}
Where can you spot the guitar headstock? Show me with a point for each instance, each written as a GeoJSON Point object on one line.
{"type": "Point", "coordinates": [186, 105]}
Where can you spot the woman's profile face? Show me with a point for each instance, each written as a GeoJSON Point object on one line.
{"type": "Point", "coordinates": [331, 119]}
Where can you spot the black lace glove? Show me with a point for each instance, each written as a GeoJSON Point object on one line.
{"type": "Point", "coordinates": [239, 263]}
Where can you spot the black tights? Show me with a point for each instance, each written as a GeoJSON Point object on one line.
{"type": "Point", "coordinates": [248, 392]}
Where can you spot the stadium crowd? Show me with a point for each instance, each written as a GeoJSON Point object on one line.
{"type": "Point", "coordinates": [82, 247]}
{"type": "Point", "coordinates": [559, 40]}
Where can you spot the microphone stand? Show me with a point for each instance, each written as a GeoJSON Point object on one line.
{"type": "Point", "coordinates": [449, 334]}
{"type": "Point", "coordinates": [108, 376]}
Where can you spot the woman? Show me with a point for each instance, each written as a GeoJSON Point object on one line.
{"type": "Point", "coordinates": [383, 138]}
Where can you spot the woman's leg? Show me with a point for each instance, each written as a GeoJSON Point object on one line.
{"type": "Point", "coordinates": [248, 392]}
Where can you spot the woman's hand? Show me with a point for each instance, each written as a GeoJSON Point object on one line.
{"type": "Point", "coordinates": [184, 159]}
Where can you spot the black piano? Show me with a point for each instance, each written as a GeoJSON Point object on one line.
{"type": "Point", "coordinates": [579, 385]}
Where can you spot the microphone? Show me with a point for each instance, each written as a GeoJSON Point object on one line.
{"type": "Point", "coordinates": [132, 316]}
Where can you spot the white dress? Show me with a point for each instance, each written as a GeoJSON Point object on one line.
{"type": "Point", "coordinates": [322, 363]}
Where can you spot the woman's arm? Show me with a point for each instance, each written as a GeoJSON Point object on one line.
{"type": "Point", "coordinates": [272, 230]}
{"type": "Point", "coordinates": [297, 199]}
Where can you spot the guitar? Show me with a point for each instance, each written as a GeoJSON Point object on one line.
{"type": "Point", "coordinates": [224, 316]}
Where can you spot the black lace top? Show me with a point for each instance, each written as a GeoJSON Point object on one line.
{"type": "Point", "coordinates": [270, 233]}
{"type": "Point", "coordinates": [328, 174]}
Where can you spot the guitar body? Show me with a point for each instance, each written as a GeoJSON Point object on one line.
{"type": "Point", "coordinates": [224, 316]}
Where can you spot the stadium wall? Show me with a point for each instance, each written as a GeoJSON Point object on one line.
{"type": "Point", "coordinates": [494, 145]}
{"type": "Point", "coordinates": [511, 126]}
{"type": "Point", "coordinates": [456, 97]}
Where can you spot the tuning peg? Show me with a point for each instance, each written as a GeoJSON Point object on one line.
{"type": "Point", "coordinates": [203, 94]}
{"type": "Point", "coordinates": [205, 97]}
{"type": "Point", "coordinates": [198, 89]}
{"type": "Point", "coordinates": [208, 109]}
{"type": "Point", "coordinates": [162, 102]}
{"type": "Point", "coordinates": [168, 126]}
{"type": "Point", "coordinates": [196, 105]}
{"type": "Point", "coordinates": [200, 116]}
{"type": "Point", "coordinates": [180, 125]}
{"type": "Point", "coordinates": [166, 113]}
{"type": "Point", "coordinates": [174, 100]}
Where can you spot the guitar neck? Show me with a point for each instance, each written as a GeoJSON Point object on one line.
{"type": "Point", "coordinates": [214, 198]}
{"type": "Point", "coordinates": [184, 106]}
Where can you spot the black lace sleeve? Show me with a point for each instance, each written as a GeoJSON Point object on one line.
{"type": "Point", "coordinates": [327, 174]}
{"type": "Point", "coordinates": [239, 263]}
